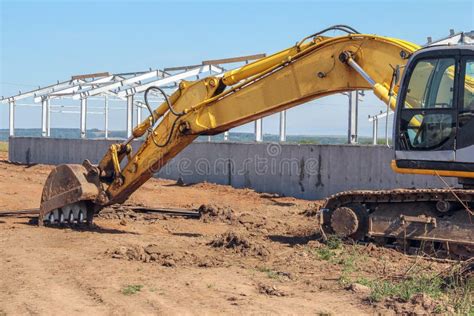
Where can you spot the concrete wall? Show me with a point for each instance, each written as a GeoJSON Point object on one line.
{"type": "Point", "coordinates": [303, 171]}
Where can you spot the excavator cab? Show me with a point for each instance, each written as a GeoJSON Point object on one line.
{"type": "Point", "coordinates": [434, 132]}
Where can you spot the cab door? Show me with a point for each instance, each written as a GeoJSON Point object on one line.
{"type": "Point", "coordinates": [427, 111]}
{"type": "Point", "coordinates": [465, 133]}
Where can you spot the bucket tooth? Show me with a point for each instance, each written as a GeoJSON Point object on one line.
{"type": "Point", "coordinates": [68, 184]}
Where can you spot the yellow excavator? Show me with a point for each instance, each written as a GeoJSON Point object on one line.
{"type": "Point", "coordinates": [430, 90]}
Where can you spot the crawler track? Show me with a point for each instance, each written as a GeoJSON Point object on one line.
{"type": "Point", "coordinates": [442, 218]}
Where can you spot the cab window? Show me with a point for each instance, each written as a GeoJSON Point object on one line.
{"type": "Point", "coordinates": [431, 84]}
{"type": "Point", "coordinates": [427, 116]}
{"type": "Point", "coordinates": [468, 103]}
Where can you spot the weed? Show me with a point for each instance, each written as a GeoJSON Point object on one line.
{"type": "Point", "coordinates": [348, 263]}
{"type": "Point", "coordinates": [460, 290]}
{"type": "Point", "coordinates": [330, 251]}
{"type": "Point", "coordinates": [439, 309]}
{"type": "Point", "coordinates": [450, 288]}
{"type": "Point", "coordinates": [270, 273]}
{"type": "Point", "coordinates": [325, 254]}
{"type": "Point", "coordinates": [132, 289]}
{"type": "Point", "coordinates": [405, 289]}
{"type": "Point", "coordinates": [334, 242]}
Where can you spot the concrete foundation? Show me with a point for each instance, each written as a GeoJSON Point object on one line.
{"type": "Point", "coordinates": [302, 171]}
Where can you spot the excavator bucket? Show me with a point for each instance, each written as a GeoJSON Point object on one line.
{"type": "Point", "coordinates": [68, 195]}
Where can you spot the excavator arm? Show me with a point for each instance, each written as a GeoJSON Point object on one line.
{"type": "Point", "coordinates": [278, 82]}
{"type": "Point", "coordinates": [315, 67]}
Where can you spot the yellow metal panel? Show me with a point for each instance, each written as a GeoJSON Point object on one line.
{"type": "Point", "coordinates": [429, 172]}
{"type": "Point", "coordinates": [298, 81]}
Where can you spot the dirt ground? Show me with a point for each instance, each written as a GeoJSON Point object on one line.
{"type": "Point", "coordinates": [250, 253]}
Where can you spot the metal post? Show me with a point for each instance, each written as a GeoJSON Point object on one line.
{"type": "Point", "coordinates": [48, 118]}
{"type": "Point", "coordinates": [375, 127]}
{"type": "Point", "coordinates": [352, 122]}
{"type": "Point", "coordinates": [355, 121]}
{"type": "Point", "coordinates": [129, 115]}
{"type": "Point", "coordinates": [11, 118]}
{"type": "Point", "coordinates": [83, 117]}
{"type": "Point", "coordinates": [349, 118]}
{"type": "Point", "coordinates": [139, 114]}
{"type": "Point", "coordinates": [283, 126]}
{"type": "Point", "coordinates": [44, 117]}
{"type": "Point", "coordinates": [106, 116]}
{"type": "Point", "coordinates": [226, 135]}
{"type": "Point", "coordinates": [258, 130]}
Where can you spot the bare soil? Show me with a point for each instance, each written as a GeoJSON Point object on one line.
{"type": "Point", "coordinates": [250, 253]}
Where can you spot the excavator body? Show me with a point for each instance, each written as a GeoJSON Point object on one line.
{"type": "Point", "coordinates": [433, 135]}
{"type": "Point", "coordinates": [429, 125]}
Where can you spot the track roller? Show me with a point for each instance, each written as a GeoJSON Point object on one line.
{"type": "Point", "coordinates": [348, 221]}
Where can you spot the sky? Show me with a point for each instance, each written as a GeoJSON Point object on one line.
{"type": "Point", "coordinates": [45, 41]}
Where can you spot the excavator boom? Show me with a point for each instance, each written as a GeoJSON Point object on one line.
{"type": "Point", "coordinates": [289, 78]}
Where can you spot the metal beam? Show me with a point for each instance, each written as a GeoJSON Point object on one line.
{"type": "Point", "coordinates": [45, 131]}
{"type": "Point", "coordinates": [283, 126]}
{"type": "Point", "coordinates": [48, 122]}
{"type": "Point", "coordinates": [129, 115]}
{"type": "Point", "coordinates": [74, 88]}
{"type": "Point", "coordinates": [139, 114]}
{"type": "Point", "coordinates": [94, 75]}
{"type": "Point", "coordinates": [375, 128]}
{"type": "Point", "coordinates": [185, 68]}
{"type": "Point", "coordinates": [259, 130]}
{"type": "Point", "coordinates": [76, 112]}
{"type": "Point", "coordinates": [115, 85]}
{"type": "Point", "coordinates": [174, 78]}
{"type": "Point", "coordinates": [106, 116]}
{"type": "Point", "coordinates": [83, 120]}
{"type": "Point", "coordinates": [11, 118]}
{"type": "Point", "coordinates": [379, 116]}
{"type": "Point", "coordinates": [39, 91]}
{"type": "Point", "coordinates": [353, 117]}
{"type": "Point", "coordinates": [232, 59]}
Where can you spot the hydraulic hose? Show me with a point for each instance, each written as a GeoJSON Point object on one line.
{"type": "Point", "coordinates": [170, 107]}
{"type": "Point", "coordinates": [167, 100]}
{"type": "Point", "coordinates": [337, 27]}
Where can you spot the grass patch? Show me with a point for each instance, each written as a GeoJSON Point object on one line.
{"type": "Point", "coordinates": [325, 254]}
{"type": "Point", "coordinates": [430, 285]}
{"type": "Point", "coordinates": [269, 272]}
{"type": "Point", "coordinates": [448, 289]}
{"type": "Point", "coordinates": [349, 262]}
{"type": "Point", "coordinates": [334, 242]}
{"type": "Point", "coordinates": [331, 249]}
{"type": "Point", "coordinates": [3, 147]}
{"type": "Point", "coordinates": [132, 289]}
{"type": "Point", "coordinates": [460, 289]}
{"type": "Point", "coordinates": [458, 294]}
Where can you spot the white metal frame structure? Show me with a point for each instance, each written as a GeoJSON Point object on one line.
{"type": "Point", "coordinates": [129, 87]}
{"type": "Point", "coordinates": [126, 87]}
